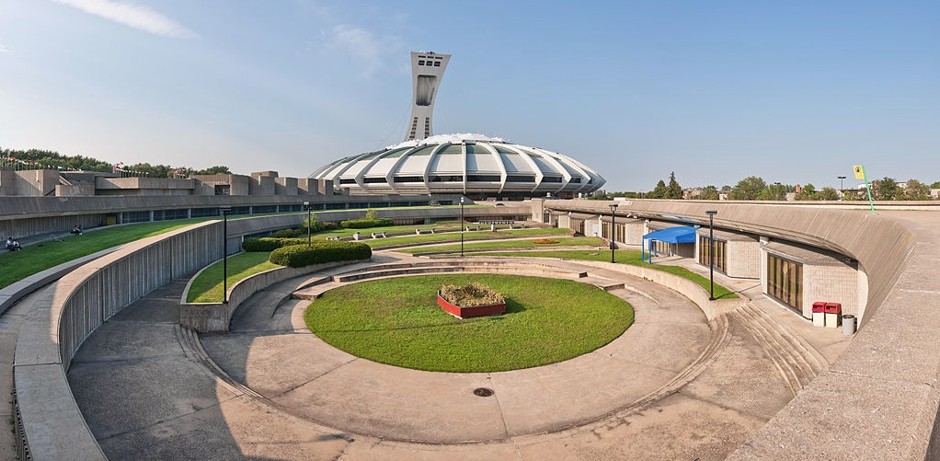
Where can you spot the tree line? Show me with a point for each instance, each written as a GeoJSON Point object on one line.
{"type": "Point", "coordinates": [45, 159]}
{"type": "Point", "coordinates": [756, 188]}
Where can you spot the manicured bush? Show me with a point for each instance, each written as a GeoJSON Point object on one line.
{"type": "Point", "coordinates": [320, 252]}
{"type": "Point", "coordinates": [290, 233]}
{"type": "Point", "coordinates": [268, 243]}
{"type": "Point", "coordinates": [366, 223]}
{"type": "Point", "coordinates": [545, 241]}
{"type": "Point", "coordinates": [472, 295]}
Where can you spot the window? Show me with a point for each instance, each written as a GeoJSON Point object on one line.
{"type": "Point", "coordinates": [408, 179]}
{"type": "Point", "coordinates": [347, 181]}
{"type": "Point", "coordinates": [720, 247]}
{"type": "Point", "coordinates": [420, 63]}
{"type": "Point", "coordinates": [516, 178]}
{"type": "Point", "coordinates": [551, 179]}
{"type": "Point", "coordinates": [374, 181]}
{"type": "Point", "coordinates": [456, 178]}
{"type": "Point", "coordinates": [785, 281]}
{"type": "Point", "coordinates": [437, 64]}
{"type": "Point", "coordinates": [483, 178]}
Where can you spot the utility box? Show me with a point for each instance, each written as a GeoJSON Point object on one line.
{"type": "Point", "coordinates": [833, 315]}
{"type": "Point", "coordinates": [819, 314]}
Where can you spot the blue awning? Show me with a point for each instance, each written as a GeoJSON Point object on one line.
{"type": "Point", "coordinates": [678, 234]}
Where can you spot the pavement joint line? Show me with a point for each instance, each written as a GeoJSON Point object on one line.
{"type": "Point", "coordinates": [130, 359]}
{"type": "Point", "coordinates": [930, 292]}
{"type": "Point", "coordinates": [294, 388]}
{"type": "Point", "coordinates": [143, 322]}
{"type": "Point", "coordinates": [162, 421]}
{"type": "Point", "coordinates": [625, 360]}
{"type": "Point", "coordinates": [681, 392]}
{"type": "Point", "coordinates": [883, 380]}
{"type": "Point", "coordinates": [499, 408]}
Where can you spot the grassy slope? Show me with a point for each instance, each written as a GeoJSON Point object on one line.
{"type": "Point", "coordinates": [397, 321]}
{"type": "Point", "coordinates": [41, 256]}
{"type": "Point", "coordinates": [455, 237]}
{"type": "Point", "coordinates": [622, 257]}
{"type": "Point", "coordinates": [207, 288]}
{"type": "Point", "coordinates": [510, 244]}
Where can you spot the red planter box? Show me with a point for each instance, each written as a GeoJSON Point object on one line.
{"type": "Point", "coordinates": [467, 312]}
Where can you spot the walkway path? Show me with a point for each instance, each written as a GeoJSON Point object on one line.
{"type": "Point", "coordinates": [291, 396]}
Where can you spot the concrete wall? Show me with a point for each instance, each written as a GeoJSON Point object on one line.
{"type": "Point", "coordinates": [75, 190]}
{"type": "Point", "coordinates": [53, 427]}
{"type": "Point", "coordinates": [837, 284]}
{"type": "Point", "coordinates": [285, 186]}
{"type": "Point", "coordinates": [306, 186]}
{"type": "Point", "coordinates": [744, 259]}
{"type": "Point", "coordinates": [217, 317]}
{"type": "Point", "coordinates": [35, 183]}
{"type": "Point", "coordinates": [324, 187]}
{"type": "Point", "coordinates": [7, 179]}
{"type": "Point", "coordinates": [261, 185]}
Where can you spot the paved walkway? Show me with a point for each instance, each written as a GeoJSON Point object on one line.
{"type": "Point", "coordinates": [148, 391]}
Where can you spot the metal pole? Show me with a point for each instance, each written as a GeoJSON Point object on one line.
{"type": "Point", "coordinates": [224, 256]}
{"type": "Point", "coordinates": [711, 256]}
{"type": "Point", "coordinates": [308, 223]}
{"type": "Point", "coordinates": [613, 227]}
{"type": "Point", "coordinates": [462, 227]}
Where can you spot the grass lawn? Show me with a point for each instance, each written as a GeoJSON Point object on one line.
{"type": "Point", "coordinates": [207, 288]}
{"type": "Point", "coordinates": [455, 237]}
{"type": "Point", "coordinates": [510, 244]}
{"type": "Point", "coordinates": [623, 257]}
{"type": "Point", "coordinates": [397, 321]}
{"type": "Point", "coordinates": [41, 256]}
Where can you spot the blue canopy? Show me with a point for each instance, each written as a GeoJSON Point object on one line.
{"type": "Point", "coordinates": [677, 234]}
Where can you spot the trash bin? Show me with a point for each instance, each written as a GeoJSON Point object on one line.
{"type": "Point", "coordinates": [848, 325]}
{"type": "Point", "coordinates": [819, 314]}
{"type": "Point", "coordinates": [833, 314]}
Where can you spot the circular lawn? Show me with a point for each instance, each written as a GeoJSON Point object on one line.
{"type": "Point", "coordinates": [397, 321]}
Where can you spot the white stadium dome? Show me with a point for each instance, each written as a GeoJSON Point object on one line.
{"type": "Point", "coordinates": [468, 164]}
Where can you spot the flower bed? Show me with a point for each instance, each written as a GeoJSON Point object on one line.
{"type": "Point", "coordinates": [545, 241]}
{"type": "Point", "coordinates": [473, 300]}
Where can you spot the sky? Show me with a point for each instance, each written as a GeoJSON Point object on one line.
{"type": "Point", "coordinates": [795, 92]}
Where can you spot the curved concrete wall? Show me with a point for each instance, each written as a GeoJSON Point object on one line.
{"type": "Point", "coordinates": [879, 399]}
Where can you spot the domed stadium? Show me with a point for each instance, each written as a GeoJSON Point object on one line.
{"type": "Point", "coordinates": [474, 165]}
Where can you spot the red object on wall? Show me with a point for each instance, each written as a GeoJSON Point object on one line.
{"type": "Point", "coordinates": [833, 308]}
{"type": "Point", "coordinates": [467, 312]}
{"type": "Point", "coordinates": [819, 307]}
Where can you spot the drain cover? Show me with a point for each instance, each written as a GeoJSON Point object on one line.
{"type": "Point", "coordinates": [483, 392]}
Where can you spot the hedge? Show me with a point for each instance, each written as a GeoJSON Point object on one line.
{"type": "Point", "coordinates": [268, 243]}
{"type": "Point", "coordinates": [366, 223]}
{"type": "Point", "coordinates": [321, 251]}
{"type": "Point", "coordinates": [289, 233]}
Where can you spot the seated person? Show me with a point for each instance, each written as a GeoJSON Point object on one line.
{"type": "Point", "coordinates": [12, 245]}
{"type": "Point", "coordinates": [77, 230]}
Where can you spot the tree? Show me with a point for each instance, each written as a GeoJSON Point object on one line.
{"type": "Point", "coordinates": [659, 191]}
{"type": "Point", "coordinates": [916, 190]}
{"type": "Point", "coordinates": [827, 193]}
{"type": "Point", "coordinates": [748, 188]}
{"type": "Point", "coordinates": [673, 190]}
{"type": "Point", "coordinates": [708, 193]}
{"type": "Point", "coordinates": [885, 189]}
{"type": "Point", "coordinates": [808, 193]}
{"type": "Point", "coordinates": [935, 185]}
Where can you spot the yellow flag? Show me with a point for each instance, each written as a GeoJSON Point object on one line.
{"type": "Point", "coordinates": [859, 171]}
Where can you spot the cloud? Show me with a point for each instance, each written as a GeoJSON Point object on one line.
{"type": "Point", "coordinates": [362, 45]}
{"type": "Point", "coordinates": [4, 49]}
{"type": "Point", "coordinates": [136, 16]}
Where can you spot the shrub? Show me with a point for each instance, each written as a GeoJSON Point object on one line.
{"type": "Point", "coordinates": [366, 223]}
{"type": "Point", "coordinates": [268, 243]}
{"type": "Point", "coordinates": [474, 294]}
{"type": "Point", "coordinates": [545, 241]}
{"type": "Point", "coordinates": [321, 251]}
{"type": "Point", "coordinates": [289, 233]}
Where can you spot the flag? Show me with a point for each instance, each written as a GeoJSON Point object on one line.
{"type": "Point", "coordinates": [859, 171]}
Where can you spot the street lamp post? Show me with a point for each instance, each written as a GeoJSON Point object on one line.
{"type": "Point", "coordinates": [462, 227]}
{"type": "Point", "coordinates": [307, 206]}
{"type": "Point", "coordinates": [613, 227]}
{"type": "Point", "coordinates": [225, 210]}
{"type": "Point", "coordinates": [711, 253]}
{"type": "Point", "coordinates": [841, 184]}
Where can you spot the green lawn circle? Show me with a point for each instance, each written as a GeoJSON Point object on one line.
{"type": "Point", "coordinates": [397, 321]}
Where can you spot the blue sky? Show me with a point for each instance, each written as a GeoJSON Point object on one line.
{"type": "Point", "coordinates": [795, 92]}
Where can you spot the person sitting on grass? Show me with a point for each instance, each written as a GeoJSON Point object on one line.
{"type": "Point", "coordinates": [12, 244]}
{"type": "Point", "coordinates": [77, 230]}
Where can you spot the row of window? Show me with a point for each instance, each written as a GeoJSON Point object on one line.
{"type": "Point", "coordinates": [785, 281]}
{"type": "Point", "coordinates": [429, 63]}
{"type": "Point", "coordinates": [457, 178]}
{"type": "Point", "coordinates": [719, 247]}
